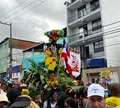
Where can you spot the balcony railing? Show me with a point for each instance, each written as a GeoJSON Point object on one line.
{"type": "Point", "coordinates": [84, 12]}
{"type": "Point", "coordinates": [82, 36]}
{"type": "Point", "coordinates": [73, 1]}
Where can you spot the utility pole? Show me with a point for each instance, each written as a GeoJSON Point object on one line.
{"type": "Point", "coordinates": [10, 54]}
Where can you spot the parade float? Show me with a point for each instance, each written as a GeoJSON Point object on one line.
{"type": "Point", "coordinates": [55, 72]}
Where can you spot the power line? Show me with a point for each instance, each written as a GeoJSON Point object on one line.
{"type": "Point", "coordinates": [12, 9]}
{"type": "Point", "coordinates": [105, 33]}
{"type": "Point", "coordinates": [98, 31]}
{"type": "Point", "coordinates": [28, 10]}
{"type": "Point", "coordinates": [20, 10]}
{"type": "Point", "coordinates": [107, 38]}
{"type": "Point", "coordinates": [104, 46]}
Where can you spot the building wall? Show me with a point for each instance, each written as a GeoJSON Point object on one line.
{"type": "Point", "coordinates": [17, 56]}
{"type": "Point", "coordinates": [115, 74]}
{"type": "Point", "coordinates": [4, 53]}
{"type": "Point", "coordinates": [110, 14]}
{"type": "Point", "coordinates": [36, 58]}
{"type": "Point", "coordinates": [73, 29]}
{"type": "Point", "coordinates": [17, 47]}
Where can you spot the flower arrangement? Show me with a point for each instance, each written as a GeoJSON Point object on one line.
{"type": "Point", "coordinates": [54, 34]}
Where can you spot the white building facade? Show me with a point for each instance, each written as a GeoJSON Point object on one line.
{"type": "Point", "coordinates": [84, 27]}
{"type": "Point", "coordinates": [110, 13]}
{"type": "Point", "coordinates": [93, 27]}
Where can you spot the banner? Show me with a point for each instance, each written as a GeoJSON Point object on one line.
{"type": "Point", "coordinates": [105, 73]}
{"type": "Point", "coordinates": [72, 62]}
{"type": "Point", "coordinates": [106, 77]}
{"type": "Point", "coordinates": [75, 63]}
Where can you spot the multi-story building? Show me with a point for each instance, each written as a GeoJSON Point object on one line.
{"type": "Point", "coordinates": [93, 28]}
{"type": "Point", "coordinates": [17, 46]}
{"type": "Point", "coordinates": [84, 30]}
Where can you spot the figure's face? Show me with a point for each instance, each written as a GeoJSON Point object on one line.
{"type": "Point", "coordinates": [96, 102]}
{"type": "Point", "coordinates": [37, 99]}
{"type": "Point", "coordinates": [55, 96]}
{"type": "Point", "coordinates": [66, 105]}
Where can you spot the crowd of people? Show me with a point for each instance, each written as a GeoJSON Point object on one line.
{"type": "Point", "coordinates": [87, 96]}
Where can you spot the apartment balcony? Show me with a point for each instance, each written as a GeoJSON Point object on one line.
{"type": "Point", "coordinates": [84, 16]}
{"type": "Point", "coordinates": [85, 38]}
{"type": "Point", "coordinates": [76, 4]}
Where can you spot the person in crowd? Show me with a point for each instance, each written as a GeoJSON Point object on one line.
{"type": "Point", "coordinates": [24, 101]}
{"type": "Point", "coordinates": [65, 95]}
{"type": "Point", "coordinates": [96, 97]}
{"type": "Point", "coordinates": [103, 80]}
{"type": "Point", "coordinates": [52, 101]}
{"type": "Point", "coordinates": [107, 91]}
{"type": "Point", "coordinates": [83, 100]}
{"type": "Point", "coordinates": [13, 94]}
{"type": "Point", "coordinates": [3, 88]}
{"type": "Point", "coordinates": [108, 80]}
{"type": "Point", "coordinates": [3, 101]}
{"type": "Point", "coordinates": [69, 103]}
{"type": "Point", "coordinates": [35, 97]}
{"type": "Point", "coordinates": [75, 97]}
{"type": "Point", "coordinates": [114, 100]}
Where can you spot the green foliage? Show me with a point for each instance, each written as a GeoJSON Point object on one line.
{"type": "Point", "coordinates": [65, 79]}
{"type": "Point", "coordinates": [35, 76]}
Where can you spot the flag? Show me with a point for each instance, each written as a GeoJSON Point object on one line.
{"type": "Point", "coordinates": [64, 54]}
{"type": "Point", "coordinates": [75, 63]}
{"type": "Point", "coordinates": [72, 61]}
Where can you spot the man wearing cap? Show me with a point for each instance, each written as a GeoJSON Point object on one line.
{"type": "Point", "coordinates": [21, 102]}
{"type": "Point", "coordinates": [96, 95]}
{"type": "Point", "coordinates": [3, 101]}
{"type": "Point", "coordinates": [24, 101]}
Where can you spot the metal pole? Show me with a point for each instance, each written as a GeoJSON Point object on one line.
{"type": "Point", "coordinates": [10, 50]}
{"type": "Point", "coordinates": [10, 54]}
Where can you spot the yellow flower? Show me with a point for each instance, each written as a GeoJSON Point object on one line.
{"type": "Point", "coordinates": [51, 63]}
{"type": "Point", "coordinates": [49, 82]}
{"type": "Point", "coordinates": [25, 92]}
{"type": "Point", "coordinates": [52, 83]}
{"type": "Point", "coordinates": [52, 66]}
{"type": "Point", "coordinates": [48, 52]}
{"type": "Point", "coordinates": [60, 51]}
{"type": "Point", "coordinates": [56, 82]}
{"type": "Point", "coordinates": [48, 60]}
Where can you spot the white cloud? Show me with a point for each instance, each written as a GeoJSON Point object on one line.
{"type": "Point", "coordinates": [32, 25]}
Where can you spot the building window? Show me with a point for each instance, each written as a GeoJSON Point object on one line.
{"type": "Point", "coordinates": [94, 5]}
{"type": "Point", "coordinates": [83, 31]}
{"type": "Point", "coordinates": [1, 48]}
{"type": "Point", "coordinates": [87, 51]}
{"type": "Point", "coordinates": [98, 46]}
{"type": "Point", "coordinates": [5, 46]}
{"type": "Point", "coordinates": [96, 24]}
{"type": "Point", "coordinates": [82, 11]}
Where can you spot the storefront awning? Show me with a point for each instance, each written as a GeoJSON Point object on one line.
{"type": "Point", "coordinates": [96, 63]}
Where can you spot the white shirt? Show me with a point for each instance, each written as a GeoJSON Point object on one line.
{"type": "Point", "coordinates": [52, 105]}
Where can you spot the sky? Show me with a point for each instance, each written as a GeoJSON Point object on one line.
{"type": "Point", "coordinates": [31, 25]}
